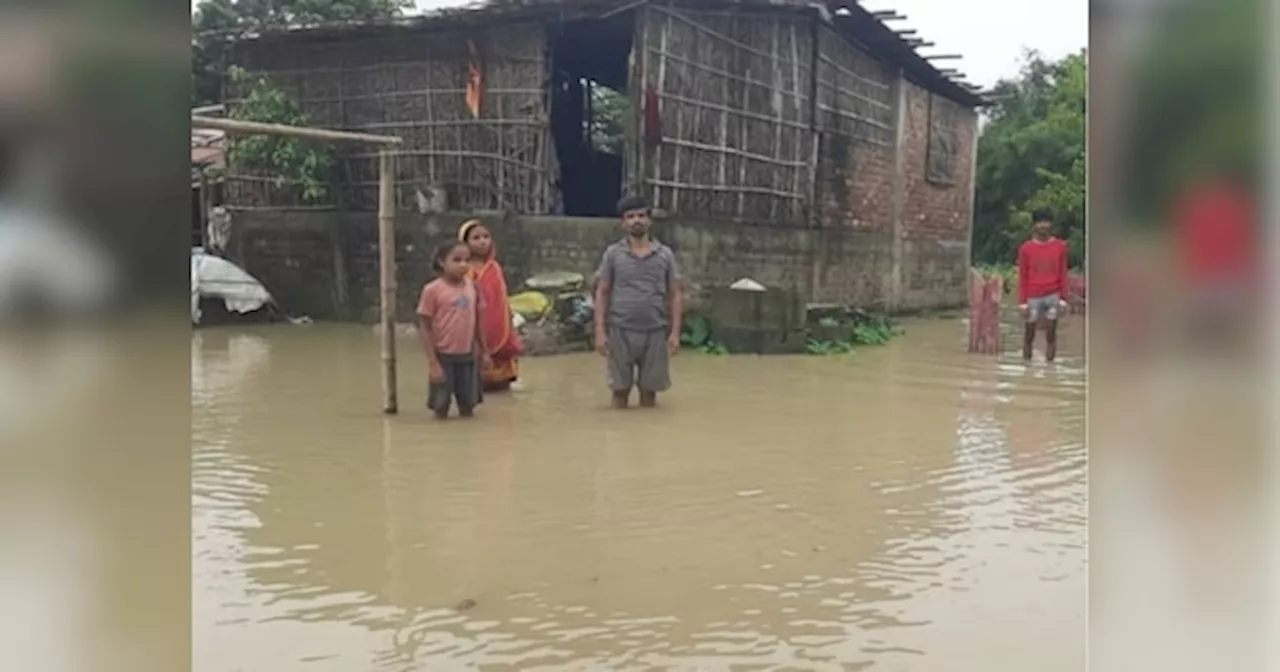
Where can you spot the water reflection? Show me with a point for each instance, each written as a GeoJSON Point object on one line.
{"type": "Point", "coordinates": [909, 507]}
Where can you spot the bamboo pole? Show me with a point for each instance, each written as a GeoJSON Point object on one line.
{"type": "Point", "coordinates": [237, 126]}
{"type": "Point", "coordinates": [387, 269]}
{"type": "Point", "coordinates": [386, 222]}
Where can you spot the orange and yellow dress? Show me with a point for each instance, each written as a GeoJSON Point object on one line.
{"type": "Point", "coordinates": [505, 346]}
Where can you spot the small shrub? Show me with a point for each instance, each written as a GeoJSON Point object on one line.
{"type": "Point", "coordinates": [826, 348]}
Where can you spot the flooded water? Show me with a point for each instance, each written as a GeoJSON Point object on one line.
{"type": "Point", "coordinates": [908, 507]}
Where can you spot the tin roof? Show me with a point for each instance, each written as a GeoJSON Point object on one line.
{"type": "Point", "coordinates": [862, 26]}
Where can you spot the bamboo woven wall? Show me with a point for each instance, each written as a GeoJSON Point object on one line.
{"type": "Point", "coordinates": [412, 84]}
{"type": "Point", "coordinates": [735, 115]}
{"type": "Point", "coordinates": [855, 91]}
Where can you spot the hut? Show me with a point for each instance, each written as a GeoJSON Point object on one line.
{"type": "Point", "coordinates": [799, 115]}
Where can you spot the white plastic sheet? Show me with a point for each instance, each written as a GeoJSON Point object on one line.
{"type": "Point", "coordinates": [216, 278]}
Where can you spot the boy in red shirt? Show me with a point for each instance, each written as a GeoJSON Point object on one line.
{"type": "Point", "coordinates": [1042, 284]}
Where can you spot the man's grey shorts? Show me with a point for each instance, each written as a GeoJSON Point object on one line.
{"type": "Point", "coordinates": [643, 351]}
{"type": "Point", "coordinates": [1043, 307]}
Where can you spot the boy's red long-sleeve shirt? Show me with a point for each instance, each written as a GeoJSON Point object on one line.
{"type": "Point", "coordinates": [1042, 269]}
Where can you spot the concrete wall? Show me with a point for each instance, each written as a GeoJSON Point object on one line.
{"type": "Point", "coordinates": [325, 264]}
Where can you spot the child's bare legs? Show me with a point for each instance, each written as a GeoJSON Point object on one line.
{"type": "Point", "coordinates": [1051, 340]}
{"type": "Point", "coordinates": [648, 399]}
{"type": "Point", "coordinates": [466, 411]}
{"type": "Point", "coordinates": [621, 398]}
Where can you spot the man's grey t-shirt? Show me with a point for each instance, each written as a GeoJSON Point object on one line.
{"type": "Point", "coordinates": [641, 295]}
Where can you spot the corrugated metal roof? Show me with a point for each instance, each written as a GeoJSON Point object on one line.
{"type": "Point", "coordinates": [856, 22]}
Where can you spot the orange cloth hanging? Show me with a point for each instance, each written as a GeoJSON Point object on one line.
{"type": "Point", "coordinates": [475, 79]}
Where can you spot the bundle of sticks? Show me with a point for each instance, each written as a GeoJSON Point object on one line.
{"type": "Point", "coordinates": [985, 295]}
{"type": "Point", "coordinates": [1076, 293]}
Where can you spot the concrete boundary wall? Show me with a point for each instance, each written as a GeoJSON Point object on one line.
{"type": "Point", "coordinates": [325, 263]}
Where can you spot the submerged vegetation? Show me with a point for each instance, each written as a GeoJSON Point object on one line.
{"type": "Point", "coordinates": [838, 332]}
{"type": "Point", "coordinates": [696, 335]}
{"type": "Point", "coordinates": [842, 333]}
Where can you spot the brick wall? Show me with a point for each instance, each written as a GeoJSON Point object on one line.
{"type": "Point", "coordinates": [936, 218]}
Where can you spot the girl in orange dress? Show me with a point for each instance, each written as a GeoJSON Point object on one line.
{"type": "Point", "coordinates": [504, 343]}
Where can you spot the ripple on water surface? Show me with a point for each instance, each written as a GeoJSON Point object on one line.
{"type": "Point", "coordinates": [908, 507]}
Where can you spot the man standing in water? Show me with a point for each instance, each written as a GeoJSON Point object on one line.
{"type": "Point", "coordinates": [638, 306]}
{"type": "Point", "coordinates": [1042, 284]}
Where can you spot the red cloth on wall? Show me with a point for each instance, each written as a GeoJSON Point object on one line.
{"type": "Point", "coordinates": [652, 118]}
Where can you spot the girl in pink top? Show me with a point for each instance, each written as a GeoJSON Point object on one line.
{"type": "Point", "coordinates": [449, 328]}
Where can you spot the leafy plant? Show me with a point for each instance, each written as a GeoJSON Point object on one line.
{"type": "Point", "coordinates": [306, 163]}
{"type": "Point", "coordinates": [815, 347]}
{"type": "Point", "coordinates": [696, 331]}
{"type": "Point", "coordinates": [713, 348]}
{"type": "Point", "coordinates": [872, 334]}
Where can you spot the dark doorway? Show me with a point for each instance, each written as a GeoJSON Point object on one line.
{"type": "Point", "coordinates": [590, 111]}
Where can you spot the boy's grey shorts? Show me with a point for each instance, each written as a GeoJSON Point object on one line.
{"type": "Point", "coordinates": [643, 351]}
{"type": "Point", "coordinates": [1043, 307]}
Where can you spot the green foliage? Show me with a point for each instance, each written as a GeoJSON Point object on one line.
{"type": "Point", "coordinates": [866, 334]}
{"type": "Point", "coordinates": [223, 15]}
{"type": "Point", "coordinates": [713, 348]}
{"type": "Point", "coordinates": [1197, 96]}
{"type": "Point", "coordinates": [609, 111]}
{"type": "Point", "coordinates": [860, 327]}
{"type": "Point", "coordinates": [255, 14]}
{"type": "Point", "coordinates": [306, 163]}
{"type": "Point", "coordinates": [695, 333]}
{"type": "Point", "coordinates": [1031, 154]}
{"type": "Point", "coordinates": [826, 348]}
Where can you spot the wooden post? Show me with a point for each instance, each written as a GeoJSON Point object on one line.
{"type": "Point", "coordinates": [387, 270]}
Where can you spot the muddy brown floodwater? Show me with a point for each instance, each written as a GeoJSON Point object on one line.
{"type": "Point", "coordinates": [908, 507]}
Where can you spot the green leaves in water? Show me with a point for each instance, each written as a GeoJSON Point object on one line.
{"type": "Point", "coordinates": [828, 347]}
{"type": "Point", "coordinates": [713, 348]}
{"type": "Point", "coordinates": [864, 329]}
{"type": "Point", "coordinates": [696, 334]}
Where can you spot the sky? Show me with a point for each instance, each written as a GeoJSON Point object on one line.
{"type": "Point", "coordinates": [990, 34]}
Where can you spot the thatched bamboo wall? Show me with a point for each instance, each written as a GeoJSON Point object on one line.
{"type": "Point", "coordinates": [412, 84]}
{"type": "Point", "coordinates": [737, 139]}
{"type": "Point", "coordinates": [855, 91]}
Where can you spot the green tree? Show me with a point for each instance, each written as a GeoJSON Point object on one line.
{"type": "Point", "coordinates": [302, 162]}
{"type": "Point", "coordinates": [1031, 154]}
{"type": "Point", "coordinates": [609, 112]}
{"type": "Point", "coordinates": [213, 16]}
{"type": "Point", "coordinates": [1197, 100]}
